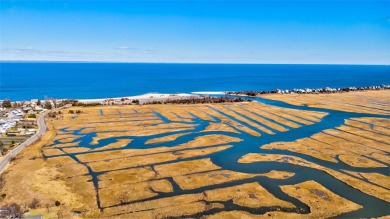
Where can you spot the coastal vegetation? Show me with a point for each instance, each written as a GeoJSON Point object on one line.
{"type": "Point", "coordinates": [212, 160]}
{"type": "Point", "coordinates": [6, 103]}
{"type": "Point", "coordinates": [127, 101]}
{"type": "Point", "coordinates": [201, 100]}
{"type": "Point", "coordinates": [372, 102]}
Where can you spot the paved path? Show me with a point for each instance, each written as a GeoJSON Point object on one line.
{"type": "Point", "coordinates": [41, 129]}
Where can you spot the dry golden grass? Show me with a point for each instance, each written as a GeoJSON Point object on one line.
{"type": "Point", "coordinates": [52, 152]}
{"type": "Point", "coordinates": [344, 142]}
{"type": "Point", "coordinates": [250, 195]}
{"type": "Point", "coordinates": [125, 193]}
{"type": "Point", "coordinates": [371, 125]}
{"type": "Point", "coordinates": [72, 150]}
{"type": "Point", "coordinates": [132, 175]}
{"type": "Point", "coordinates": [317, 151]}
{"type": "Point", "coordinates": [200, 152]}
{"type": "Point", "coordinates": [366, 134]}
{"type": "Point", "coordinates": [184, 168]}
{"type": "Point", "coordinates": [161, 186]}
{"type": "Point", "coordinates": [198, 180]}
{"type": "Point", "coordinates": [361, 102]}
{"type": "Point", "coordinates": [242, 119]}
{"type": "Point", "coordinates": [228, 121]}
{"type": "Point", "coordinates": [381, 157]}
{"type": "Point", "coordinates": [201, 141]}
{"type": "Point", "coordinates": [363, 186]}
{"type": "Point", "coordinates": [129, 162]}
{"type": "Point", "coordinates": [375, 178]}
{"type": "Point", "coordinates": [174, 203]}
{"type": "Point", "coordinates": [322, 202]}
{"type": "Point", "coordinates": [219, 127]}
{"type": "Point", "coordinates": [64, 145]}
{"type": "Point", "coordinates": [274, 116]}
{"type": "Point", "coordinates": [167, 138]}
{"type": "Point", "coordinates": [119, 144]}
{"type": "Point", "coordinates": [359, 161]}
{"type": "Point", "coordinates": [259, 119]}
{"type": "Point", "coordinates": [233, 215]}
{"type": "Point", "coordinates": [353, 139]}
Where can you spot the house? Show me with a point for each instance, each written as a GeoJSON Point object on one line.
{"type": "Point", "coordinates": [27, 108]}
{"type": "Point", "coordinates": [31, 130]}
{"type": "Point", "coordinates": [38, 108]}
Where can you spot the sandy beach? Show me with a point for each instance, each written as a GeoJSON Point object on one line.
{"type": "Point", "coordinates": [142, 98]}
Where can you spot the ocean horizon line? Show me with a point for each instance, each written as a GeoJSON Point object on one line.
{"type": "Point", "coordinates": [184, 63]}
{"type": "Point", "coordinates": [96, 80]}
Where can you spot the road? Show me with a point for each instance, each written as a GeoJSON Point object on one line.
{"type": "Point", "coordinates": [41, 130]}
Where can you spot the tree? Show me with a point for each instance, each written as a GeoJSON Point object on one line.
{"type": "Point", "coordinates": [48, 105]}
{"type": "Point", "coordinates": [57, 203]}
{"type": "Point", "coordinates": [39, 102]}
{"type": "Point", "coordinates": [7, 103]}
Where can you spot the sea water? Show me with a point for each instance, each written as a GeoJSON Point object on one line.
{"type": "Point", "coordinates": [33, 80]}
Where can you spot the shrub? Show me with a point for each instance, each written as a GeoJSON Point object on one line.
{"type": "Point", "coordinates": [57, 203]}
{"type": "Point", "coordinates": [32, 116]}
{"type": "Point", "coordinates": [7, 103]}
{"type": "Point", "coordinates": [34, 203]}
{"type": "Point", "coordinates": [48, 105]}
{"type": "Point", "coordinates": [71, 112]}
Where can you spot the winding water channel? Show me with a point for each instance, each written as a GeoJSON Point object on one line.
{"type": "Point", "coordinates": [227, 160]}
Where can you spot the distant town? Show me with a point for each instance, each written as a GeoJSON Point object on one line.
{"type": "Point", "coordinates": [18, 120]}
{"type": "Point", "coordinates": [310, 90]}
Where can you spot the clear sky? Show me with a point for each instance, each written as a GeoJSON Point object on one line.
{"type": "Point", "coordinates": [350, 32]}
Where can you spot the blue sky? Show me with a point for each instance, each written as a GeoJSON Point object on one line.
{"type": "Point", "coordinates": [340, 32]}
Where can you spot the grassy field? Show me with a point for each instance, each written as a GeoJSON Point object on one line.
{"type": "Point", "coordinates": [160, 161]}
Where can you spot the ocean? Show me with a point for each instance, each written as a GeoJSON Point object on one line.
{"type": "Point", "coordinates": [37, 80]}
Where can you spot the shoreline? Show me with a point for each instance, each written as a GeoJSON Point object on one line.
{"type": "Point", "coordinates": [142, 97]}
{"type": "Point", "coordinates": [325, 90]}
{"type": "Point", "coordinates": [161, 97]}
